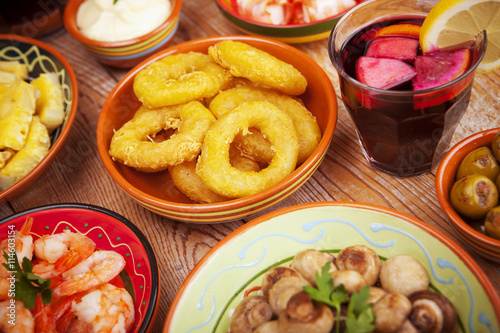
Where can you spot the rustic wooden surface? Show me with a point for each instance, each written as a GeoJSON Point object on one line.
{"type": "Point", "coordinates": [77, 174]}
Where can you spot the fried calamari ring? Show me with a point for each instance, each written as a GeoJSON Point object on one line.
{"type": "Point", "coordinates": [188, 182]}
{"type": "Point", "coordinates": [214, 166]}
{"type": "Point", "coordinates": [180, 78]}
{"type": "Point", "coordinates": [258, 66]}
{"type": "Point", "coordinates": [133, 143]}
{"type": "Point", "coordinates": [255, 146]}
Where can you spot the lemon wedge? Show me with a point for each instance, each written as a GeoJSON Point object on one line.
{"type": "Point", "coordinates": [452, 22]}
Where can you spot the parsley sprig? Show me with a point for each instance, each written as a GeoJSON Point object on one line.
{"type": "Point", "coordinates": [359, 318]}
{"type": "Point", "coordinates": [27, 284]}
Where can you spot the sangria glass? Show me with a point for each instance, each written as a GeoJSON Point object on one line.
{"type": "Point", "coordinates": [401, 132]}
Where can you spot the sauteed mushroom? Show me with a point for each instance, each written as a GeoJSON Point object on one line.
{"type": "Point", "coordinates": [309, 262]}
{"type": "Point", "coordinates": [403, 274]}
{"type": "Point", "coordinates": [275, 274]}
{"type": "Point", "coordinates": [352, 280]}
{"type": "Point", "coordinates": [250, 313]}
{"type": "Point", "coordinates": [390, 312]}
{"type": "Point", "coordinates": [303, 315]}
{"type": "Point", "coordinates": [283, 290]}
{"type": "Point", "coordinates": [362, 259]}
{"type": "Point", "coordinates": [432, 312]}
{"type": "Point", "coordinates": [268, 327]}
{"type": "Point", "coordinates": [375, 293]}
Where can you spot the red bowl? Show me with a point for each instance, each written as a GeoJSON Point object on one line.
{"type": "Point", "coordinates": [110, 231]}
{"type": "Point", "coordinates": [474, 239]}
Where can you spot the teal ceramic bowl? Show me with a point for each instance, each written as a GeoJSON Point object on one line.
{"type": "Point", "coordinates": [218, 282]}
{"type": "Point", "coordinates": [290, 34]}
{"type": "Point", "coordinates": [127, 53]}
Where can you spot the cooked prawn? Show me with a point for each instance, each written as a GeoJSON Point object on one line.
{"type": "Point", "coordinates": [101, 267]}
{"type": "Point", "coordinates": [44, 317]}
{"type": "Point", "coordinates": [105, 309]}
{"type": "Point", "coordinates": [14, 318]}
{"type": "Point", "coordinates": [60, 252]}
{"type": "Point", "coordinates": [23, 246]}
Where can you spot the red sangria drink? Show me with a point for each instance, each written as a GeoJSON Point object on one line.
{"type": "Point", "coordinates": [405, 105]}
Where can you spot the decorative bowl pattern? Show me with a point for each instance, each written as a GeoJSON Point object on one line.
{"type": "Point", "coordinates": [156, 192]}
{"type": "Point", "coordinates": [110, 231]}
{"type": "Point", "coordinates": [291, 34]}
{"type": "Point", "coordinates": [217, 283]}
{"type": "Point", "coordinates": [474, 239]}
{"type": "Point", "coordinates": [41, 58]}
{"type": "Point", "coordinates": [128, 53]}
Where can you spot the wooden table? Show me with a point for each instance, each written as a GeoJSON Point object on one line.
{"type": "Point", "coordinates": [77, 174]}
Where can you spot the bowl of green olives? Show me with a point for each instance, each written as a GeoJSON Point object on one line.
{"type": "Point", "coordinates": [468, 187]}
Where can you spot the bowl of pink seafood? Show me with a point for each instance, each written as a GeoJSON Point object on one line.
{"type": "Point", "coordinates": [289, 21]}
{"type": "Point", "coordinates": [77, 268]}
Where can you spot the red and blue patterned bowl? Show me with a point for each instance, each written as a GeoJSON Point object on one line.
{"type": "Point", "coordinates": [109, 231]}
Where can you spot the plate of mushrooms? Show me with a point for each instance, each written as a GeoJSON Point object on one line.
{"type": "Point", "coordinates": [335, 267]}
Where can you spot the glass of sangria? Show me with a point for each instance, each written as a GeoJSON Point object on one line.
{"type": "Point", "coordinates": [405, 105]}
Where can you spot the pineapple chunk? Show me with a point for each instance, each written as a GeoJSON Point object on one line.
{"type": "Point", "coordinates": [5, 155]}
{"type": "Point", "coordinates": [16, 68]}
{"type": "Point", "coordinates": [36, 148]}
{"type": "Point", "coordinates": [17, 107]}
{"type": "Point", "coordinates": [50, 105]}
{"type": "Point", "coordinates": [6, 77]}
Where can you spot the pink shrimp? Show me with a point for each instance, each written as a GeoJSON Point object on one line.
{"type": "Point", "coordinates": [306, 11]}
{"type": "Point", "coordinates": [60, 252]}
{"type": "Point", "coordinates": [101, 267]}
{"type": "Point", "coordinates": [23, 245]}
{"type": "Point", "coordinates": [15, 318]}
{"type": "Point", "coordinates": [277, 12]}
{"type": "Point", "coordinates": [106, 308]}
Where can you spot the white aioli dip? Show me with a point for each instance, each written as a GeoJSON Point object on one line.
{"type": "Point", "coordinates": [126, 19]}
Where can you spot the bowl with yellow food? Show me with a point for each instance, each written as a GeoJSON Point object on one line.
{"type": "Point", "coordinates": [122, 33]}
{"type": "Point", "coordinates": [39, 102]}
{"type": "Point", "coordinates": [234, 182]}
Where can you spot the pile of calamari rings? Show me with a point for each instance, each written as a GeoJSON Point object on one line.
{"type": "Point", "coordinates": [222, 126]}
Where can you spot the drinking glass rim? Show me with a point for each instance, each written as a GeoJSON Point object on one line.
{"type": "Point", "coordinates": [343, 73]}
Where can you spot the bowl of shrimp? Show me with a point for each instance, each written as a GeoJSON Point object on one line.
{"type": "Point", "coordinates": [90, 267]}
{"type": "Point", "coordinates": [289, 21]}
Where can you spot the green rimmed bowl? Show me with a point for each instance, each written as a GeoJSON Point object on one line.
{"type": "Point", "coordinates": [217, 283]}
{"type": "Point", "coordinates": [290, 34]}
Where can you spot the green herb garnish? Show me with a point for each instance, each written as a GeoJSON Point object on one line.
{"type": "Point", "coordinates": [114, 2]}
{"type": "Point", "coordinates": [27, 284]}
{"type": "Point", "coordinates": [359, 317]}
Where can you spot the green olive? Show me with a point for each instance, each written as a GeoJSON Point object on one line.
{"type": "Point", "coordinates": [495, 146]}
{"type": "Point", "coordinates": [479, 161]}
{"type": "Point", "coordinates": [492, 223]}
{"type": "Point", "coordinates": [473, 196]}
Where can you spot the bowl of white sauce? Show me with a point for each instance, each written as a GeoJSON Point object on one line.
{"type": "Point", "coordinates": [122, 33]}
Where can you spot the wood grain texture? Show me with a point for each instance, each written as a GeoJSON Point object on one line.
{"type": "Point", "coordinates": [77, 174]}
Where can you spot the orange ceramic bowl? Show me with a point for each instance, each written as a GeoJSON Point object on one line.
{"type": "Point", "coordinates": [109, 231]}
{"type": "Point", "coordinates": [156, 192]}
{"type": "Point", "coordinates": [127, 53]}
{"type": "Point", "coordinates": [472, 236]}
{"type": "Point", "coordinates": [41, 58]}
